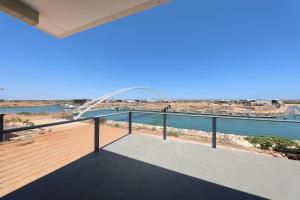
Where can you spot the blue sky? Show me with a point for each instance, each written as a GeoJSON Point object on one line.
{"type": "Point", "coordinates": [186, 49]}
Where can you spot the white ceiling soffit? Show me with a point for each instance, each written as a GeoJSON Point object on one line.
{"type": "Point", "coordinates": [65, 17]}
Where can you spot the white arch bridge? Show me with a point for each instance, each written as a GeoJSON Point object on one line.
{"type": "Point", "coordinates": [292, 111]}
{"type": "Point", "coordinates": [89, 106]}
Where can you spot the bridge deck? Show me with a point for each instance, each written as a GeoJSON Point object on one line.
{"type": "Point", "coordinates": [144, 167]}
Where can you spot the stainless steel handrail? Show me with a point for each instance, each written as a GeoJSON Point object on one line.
{"type": "Point", "coordinates": [217, 116]}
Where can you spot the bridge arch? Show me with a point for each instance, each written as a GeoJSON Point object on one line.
{"type": "Point", "coordinates": [292, 111]}
{"type": "Point", "coordinates": [90, 105]}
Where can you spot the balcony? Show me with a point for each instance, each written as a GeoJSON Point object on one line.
{"type": "Point", "coordinates": [139, 166]}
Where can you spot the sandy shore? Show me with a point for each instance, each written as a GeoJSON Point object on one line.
{"type": "Point", "coordinates": [204, 107]}
{"type": "Point", "coordinates": [26, 103]}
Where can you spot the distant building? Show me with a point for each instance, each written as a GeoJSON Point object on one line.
{"type": "Point", "coordinates": [130, 101]}
{"type": "Point", "coordinates": [79, 102]}
{"type": "Point", "coordinates": [244, 102]}
{"type": "Point", "coordinates": [269, 102]}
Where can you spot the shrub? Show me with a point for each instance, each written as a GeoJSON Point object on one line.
{"type": "Point", "coordinates": [24, 113]}
{"type": "Point", "coordinates": [153, 129]}
{"type": "Point", "coordinates": [277, 143]}
{"type": "Point", "coordinates": [19, 120]}
{"type": "Point", "coordinates": [102, 120]}
{"type": "Point", "coordinates": [173, 133]}
{"type": "Point", "coordinates": [116, 125]}
{"type": "Point", "coordinates": [14, 120]}
{"type": "Point", "coordinates": [284, 143]}
{"type": "Point", "coordinates": [26, 121]}
{"type": "Point", "coordinates": [41, 113]}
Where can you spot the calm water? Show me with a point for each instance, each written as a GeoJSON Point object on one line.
{"type": "Point", "coordinates": [235, 126]}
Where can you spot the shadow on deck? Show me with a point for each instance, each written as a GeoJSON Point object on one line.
{"type": "Point", "coordinates": [107, 175]}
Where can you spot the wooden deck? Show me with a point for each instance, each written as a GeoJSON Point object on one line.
{"type": "Point", "coordinates": [24, 161]}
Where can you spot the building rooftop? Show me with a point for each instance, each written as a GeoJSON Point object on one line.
{"type": "Point", "coordinates": [146, 167]}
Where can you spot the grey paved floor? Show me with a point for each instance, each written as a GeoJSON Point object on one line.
{"type": "Point", "coordinates": [143, 167]}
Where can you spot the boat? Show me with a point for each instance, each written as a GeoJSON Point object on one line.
{"type": "Point", "coordinates": [68, 106]}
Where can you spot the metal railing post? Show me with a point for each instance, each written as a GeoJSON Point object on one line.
{"type": "Point", "coordinates": [1, 127]}
{"type": "Point", "coordinates": [130, 123]}
{"type": "Point", "coordinates": [164, 126]}
{"type": "Point", "coordinates": [97, 133]}
{"type": "Point", "coordinates": [214, 132]}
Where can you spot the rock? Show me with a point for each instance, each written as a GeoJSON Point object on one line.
{"type": "Point", "coordinates": [292, 156]}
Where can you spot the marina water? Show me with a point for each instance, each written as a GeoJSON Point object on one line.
{"type": "Point", "coordinates": [228, 126]}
